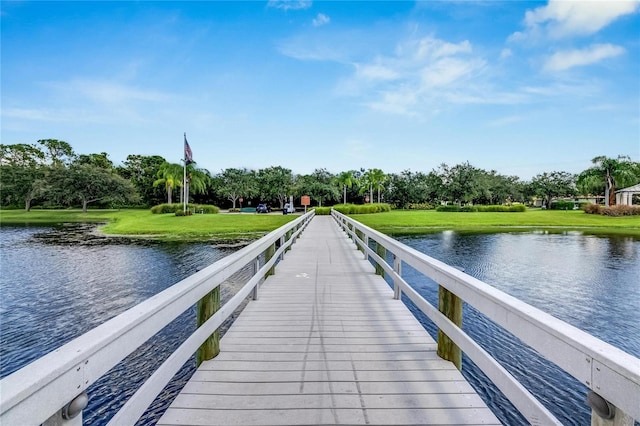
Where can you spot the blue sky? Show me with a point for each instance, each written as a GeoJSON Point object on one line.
{"type": "Point", "coordinates": [517, 87]}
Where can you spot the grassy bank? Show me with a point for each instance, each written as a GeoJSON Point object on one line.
{"type": "Point", "coordinates": [399, 222]}
{"type": "Point", "coordinates": [143, 224]}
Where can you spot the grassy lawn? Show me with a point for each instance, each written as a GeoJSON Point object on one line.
{"type": "Point", "coordinates": [141, 223]}
{"type": "Point", "coordinates": [401, 222]}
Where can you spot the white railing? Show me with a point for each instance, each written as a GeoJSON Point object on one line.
{"type": "Point", "coordinates": [47, 390]}
{"type": "Point", "coordinates": [613, 375]}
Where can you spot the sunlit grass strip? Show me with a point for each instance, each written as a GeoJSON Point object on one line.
{"type": "Point", "coordinates": [416, 222]}
{"type": "Point", "coordinates": [141, 223]}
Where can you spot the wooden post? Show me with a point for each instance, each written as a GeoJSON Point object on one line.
{"type": "Point", "coordinates": [451, 306]}
{"type": "Point", "coordinates": [207, 306]}
{"type": "Point", "coordinates": [397, 267]}
{"type": "Point", "coordinates": [287, 238]}
{"type": "Point", "coordinates": [268, 254]}
{"type": "Point", "coordinates": [382, 252]}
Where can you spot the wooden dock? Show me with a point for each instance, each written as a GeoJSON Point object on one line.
{"type": "Point", "coordinates": [326, 343]}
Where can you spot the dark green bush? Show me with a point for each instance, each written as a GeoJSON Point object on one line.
{"type": "Point", "coordinates": [562, 205]}
{"type": "Point", "coordinates": [452, 208]}
{"type": "Point", "coordinates": [177, 207]}
{"type": "Point", "coordinates": [183, 213]}
{"type": "Point", "coordinates": [472, 209]}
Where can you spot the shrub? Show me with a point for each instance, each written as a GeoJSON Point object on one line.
{"type": "Point", "coordinates": [323, 211]}
{"type": "Point", "coordinates": [362, 208]}
{"type": "Point", "coordinates": [183, 213]}
{"type": "Point", "coordinates": [593, 208]}
{"type": "Point", "coordinates": [621, 210]}
{"type": "Point", "coordinates": [473, 209]}
{"type": "Point", "coordinates": [177, 207]}
{"type": "Point", "coordinates": [562, 205]}
{"type": "Point", "coordinates": [469, 209]}
{"type": "Point", "coordinates": [452, 208]}
{"type": "Point", "coordinates": [421, 206]}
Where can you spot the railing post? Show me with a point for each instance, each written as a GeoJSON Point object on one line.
{"type": "Point", "coordinates": [288, 237]}
{"type": "Point", "coordinates": [207, 306]}
{"type": "Point", "coordinates": [268, 254]}
{"type": "Point", "coordinates": [397, 267]}
{"type": "Point", "coordinates": [382, 252]}
{"type": "Point", "coordinates": [451, 306]}
{"type": "Point", "coordinates": [282, 240]}
{"type": "Point", "coordinates": [366, 246]}
{"type": "Point", "coordinates": [256, 268]}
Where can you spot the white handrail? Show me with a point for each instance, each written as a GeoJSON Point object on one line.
{"type": "Point", "coordinates": [36, 392]}
{"type": "Point", "coordinates": [605, 369]}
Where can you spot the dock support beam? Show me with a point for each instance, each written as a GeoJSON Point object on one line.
{"type": "Point", "coordinates": [207, 306]}
{"type": "Point", "coordinates": [451, 306]}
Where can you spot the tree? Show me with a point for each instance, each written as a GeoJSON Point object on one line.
{"type": "Point", "coordinates": [608, 173]}
{"type": "Point", "coordinates": [318, 185]}
{"type": "Point", "coordinates": [377, 179]}
{"type": "Point", "coordinates": [345, 180]}
{"type": "Point", "coordinates": [59, 153]}
{"type": "Point", "coordinates": [197, 180]}
{"type": "Point", "coordinates": [86, 184]}
{"type": "Point", "coordinates": [461, 182]}
{"type": "Point", "coordinates": [236, 183]}
{"type": "Point", "coordinates": [142, 171]}
{"type": "Point", "coordinates": [100, 160]}
{"type": "Point", "coordinates": [275, 183]}
{"type": "Point", "coordinates": [22, 175]}
{"type": "Point", "coordinates": [554, 184]}
{"type": "Point", "coordinates": [170, 175]}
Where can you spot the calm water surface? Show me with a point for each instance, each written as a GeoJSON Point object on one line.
{"type": "Point", "coordinates": [591, 282]}
{"type": "Point", "coordinates": [53, 291]}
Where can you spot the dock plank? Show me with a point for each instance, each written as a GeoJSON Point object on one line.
{"type": "Point", "coordinates": [326, 343]}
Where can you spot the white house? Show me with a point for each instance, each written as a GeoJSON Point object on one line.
{"type": "Point", "coordinates": [625, 196]}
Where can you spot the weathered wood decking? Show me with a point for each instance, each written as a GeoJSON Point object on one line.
{"type": "Point", "coordinates": [326, 343]}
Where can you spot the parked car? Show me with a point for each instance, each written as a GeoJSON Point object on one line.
{"type": "Point", "coordinates": [263, 208]}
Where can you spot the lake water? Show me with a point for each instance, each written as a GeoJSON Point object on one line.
{"type": "Point", "coordinates": [55, 289]}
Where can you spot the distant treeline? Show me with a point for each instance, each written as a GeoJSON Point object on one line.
{"type": "Point", "coordinates": [49, 173]}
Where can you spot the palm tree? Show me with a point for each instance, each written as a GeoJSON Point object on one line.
{"type": "Point", "coordinates": [377, 179]}
{"type": "Point", "coordinates": [196, 179]}
{"type": "Point", "coordinates": [366, 183]}
{"type": "Point", "coordinates": [609, 172]}
{"type": "Point", "coordinates": [346, 180]}
{"type": "Point", "coordinates": [170, 175]}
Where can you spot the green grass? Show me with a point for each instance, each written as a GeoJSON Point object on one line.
{"type": "Point", "coordinates": [144, 224]}
{"type": "Point", "coordinates": [400, 222]}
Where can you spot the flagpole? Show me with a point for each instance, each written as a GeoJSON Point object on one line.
{"type": "Point", "coordinates": [184, 180]}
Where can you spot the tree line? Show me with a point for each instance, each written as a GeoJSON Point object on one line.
{"type": "Point", "coordinates": [50, 174]}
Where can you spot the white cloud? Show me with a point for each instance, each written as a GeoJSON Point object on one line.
{"type": "Point", "coordinates": [564, 60]}
{"type": "Point", "coordinates": [107, 92]}
{"type": "Point", "coordinates": [289, 4]}
{"type": "Point", "coordinates": [563, 18]}
{"type": "Point", "coordinates": [321, 20]}
{"type": "Point", "coordinates": [505, 53]}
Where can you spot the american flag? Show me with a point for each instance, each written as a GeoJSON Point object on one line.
{"type": "Point", "coordinates": [188, 155]}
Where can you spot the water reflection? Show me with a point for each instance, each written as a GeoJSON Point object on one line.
{"type": "Point", "coordinates": [591, 282]}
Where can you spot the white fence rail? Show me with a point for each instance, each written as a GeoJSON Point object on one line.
{"type": "Point", "coordinates": [40, 391]}
{"type": "Point", "coordinates": [608, 371]}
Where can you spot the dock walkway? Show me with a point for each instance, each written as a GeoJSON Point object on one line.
{"type": "Point", "coordinates": [326, 343]}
